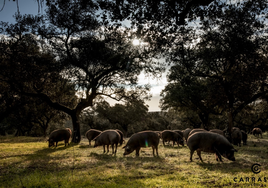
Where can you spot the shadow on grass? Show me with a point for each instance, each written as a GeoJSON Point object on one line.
{"type": "Point", "coordinates": [221, 166]}
{"type": "Point", "coordinates": [257, 142]}
{"type": "Point", "coordinates": [150, 158]}
{"type": "Point", "coordinates": [43, 153]}
{"type": "Point", "coordinates": [21, 139]}
{"type": "Point", "coordinates": [52, 149]}
{"type": "Point", "coordinates": [232, 167]}
{"type": "Point", "coordinates": [40, 163]}
{"type": "Point", "coordinates": [44, 158]}
{"type": "Point", "coordinates": [19, 165]}
{"type": "Point", "coordinates": [257, 149]}
{"type": "Point", "coordinates": [85, 146]}
{"type": "Point", "coordinates": [103, 156]}
{"type": "Point", "coordinates": [173, 147]}
{"type": "Point", "coordinates": [142, 157]}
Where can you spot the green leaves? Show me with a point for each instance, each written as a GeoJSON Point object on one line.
{"type": "Point", "coordinates": [225, 68]}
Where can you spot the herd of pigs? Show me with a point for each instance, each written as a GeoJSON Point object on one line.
{"type": "Point", "coordinates": [214, 141]}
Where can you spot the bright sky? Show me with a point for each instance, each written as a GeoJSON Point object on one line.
{"type": "Point", "coordinates": [25, 7]}
{"type": "Point", "coordinates": [31, 7]}
{"type": "Point", "coordinates": [157, 85]}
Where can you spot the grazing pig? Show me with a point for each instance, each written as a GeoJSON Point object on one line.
{"type": "Point", "coordinates": [142, 139]}
{"type": "Point", "coordinates": [70, 131]}
{"type": "Point", "coordinates": [179, 132]}
{"type": "Point", "coordinates": [168, 135]}
{"type": "Point", "coordinates": [159, 133]}
{"type": "Point", "coordinates": [236, 136]}
{"type": "Point", "coordinates": [108, 137]}
{"type": "Point", "coordinates": [218, 131]}
{"type": "Point", "coordinates": [244, 137]}
{"type": "Point", "coordinates": [186, 133]}
{"type": "Point", "coordinates": [195, 131]}
{"type": "Point", "coordinates": [59, 135]}
{"type": "Point", "coordinates": [210, 142]}
{"type": "Point", "coordinates": [121, 136]}
{"type": "Point", "coordinates": [91, 134]}
{"type": "Point", "coordinates": [257, 131]}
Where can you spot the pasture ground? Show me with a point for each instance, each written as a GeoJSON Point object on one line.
{"type": "Point", "coordinates": [28, 162]}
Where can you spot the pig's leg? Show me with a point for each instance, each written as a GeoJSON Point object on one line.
{"type": "Point", "coordinates": [108, 148]}
{"type": "Point", "coordinates": [138, 152]}
{"type": "Point", "coordinates": [199, 154]}
{"type": "Point", "coordinates": [112, 148]}
{"type": "Point", "coordinates": [191, 155]}
{"type": "Point", "coordinates": [103, 148]}
{"type": "Point", "coordinates": [218, 155]}
{"type": "Point", "coordinates": [115, 149]}
{"type": "Point", "coordinates": [217, 159]}
{"type": "Point", "coordinates": [156, 149]}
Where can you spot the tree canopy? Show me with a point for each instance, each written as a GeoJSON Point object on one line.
{"type": "Point", "coordinates": [92, 57]}
{"type": "Point", "coordinates": [227, 67]}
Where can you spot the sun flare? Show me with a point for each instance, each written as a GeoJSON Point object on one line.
{"type": "Point", "coordinates": [136, 42]}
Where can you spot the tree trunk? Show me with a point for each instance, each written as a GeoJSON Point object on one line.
{"type": "Point", "coordinates": [125, 129]}
{"type": "Point", "coordinates": [230, 124]}
{"type": "Point", "coordinates": [2, 131]}
{"type": "Point", "coordinates": [19, 132]}
{"type": "Point", "coordinates": [204, 117]}
{"type": "Point", "coordinates": [45, 127]}
{"type": "Point", "coordinates": [76, 127]}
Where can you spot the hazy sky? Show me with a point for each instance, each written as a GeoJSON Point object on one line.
{"type": "Point", "coordinates": [157, 85]}
{"type": "Point", "coordinates": [31, 7]}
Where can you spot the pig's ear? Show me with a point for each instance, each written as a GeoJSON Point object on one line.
{"type": "Point", "coordinates": [234, 150]}
{"type": "Point", "coordinates": [124, 146]}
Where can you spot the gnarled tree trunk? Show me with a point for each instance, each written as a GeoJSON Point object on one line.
{"type": "Point", "coordinates": [76, 137]}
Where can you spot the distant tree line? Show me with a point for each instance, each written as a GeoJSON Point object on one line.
{"type": "Point", "coordinates": [38, 119]}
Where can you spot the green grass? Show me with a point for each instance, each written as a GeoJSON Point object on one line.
{"type": "Point", "coordinates": [28, 162]}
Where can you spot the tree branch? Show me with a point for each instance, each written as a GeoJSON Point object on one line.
{"type": "Point", "coordinates": [46, 98]}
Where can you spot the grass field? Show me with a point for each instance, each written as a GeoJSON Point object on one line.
{"type": "Point", "coordinates": [28, 162]}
